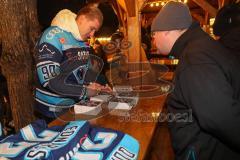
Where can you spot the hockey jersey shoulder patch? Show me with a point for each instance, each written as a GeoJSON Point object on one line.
{"type": "Point", "coordinates": [47, 51]}
{"type": "Point", "coordinates": [54, 36]}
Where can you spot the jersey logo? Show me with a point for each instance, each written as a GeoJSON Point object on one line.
{"type": "Point", "coordinates": [52, 33]}
{"type": "Point", "coordinates": [45, 48]}
{"type": "Point", "coordinates": [62, 40]}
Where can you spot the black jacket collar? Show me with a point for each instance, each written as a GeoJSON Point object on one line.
{"type": "Point", "coordinates": [182, 41]}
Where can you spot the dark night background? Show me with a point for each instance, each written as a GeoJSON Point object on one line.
{"type": "Point", "coordinates": [47, 9]}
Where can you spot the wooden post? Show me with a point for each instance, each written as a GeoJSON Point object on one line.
{"type": "Point", "coordinates": [135, 53]}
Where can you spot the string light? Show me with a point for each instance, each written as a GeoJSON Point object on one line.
{"type": "Point", "coordinates": [103, 39]}
{"type": "Point", "coordinates": [163, 2]}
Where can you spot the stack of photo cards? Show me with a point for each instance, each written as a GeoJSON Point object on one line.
{"type": "Point", "coordinates": [121, 103]}
{"type": "Point", "coordinates": [101, 98]}
{"type": "Point", "coordinates": [129, 95]}
{"type": "Point", "coordinates": [88, 107]}
{"type": "Point", "coordinates": [125, 98]}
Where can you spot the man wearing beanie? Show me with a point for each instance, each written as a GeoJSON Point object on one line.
{"type": "Point", "coordinates": [207, 88]}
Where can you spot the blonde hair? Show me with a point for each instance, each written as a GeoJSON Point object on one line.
{"type": "Point", "coordinates": [91, 12]}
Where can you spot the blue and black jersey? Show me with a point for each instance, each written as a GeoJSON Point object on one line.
{"type": "Point", "coordinates": [77, 140]}
{"type": "Point", "coordinates": [37, 141]}
{"type": "Point", "coordinates": [63, 65]}
{"type": "Point", "coordinates": [107, 144]}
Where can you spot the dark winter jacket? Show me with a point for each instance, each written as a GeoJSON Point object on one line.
{"type": "Point", "coordinates": [231, 40]}
{"type": "Point", "coordinates": [206, 99]}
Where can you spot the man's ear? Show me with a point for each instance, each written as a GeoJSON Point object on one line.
{"type": "Point", "coordinates": [80, 18]}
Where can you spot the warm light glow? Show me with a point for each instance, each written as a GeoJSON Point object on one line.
{"type": "Point", "coordinates": [103, 39]}
{"type": "Point", "coordinates": [211, 21]}
{"type": "Point", "coordinates": [163, 2]}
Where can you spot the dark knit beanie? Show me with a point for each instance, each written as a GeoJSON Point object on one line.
{"type": "Point", "coordinates": [173, 16]}
{"type": "Point", "coordinates": [227, 18]}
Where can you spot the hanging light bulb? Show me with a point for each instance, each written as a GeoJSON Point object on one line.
{"type": "Point", "coordinates": [185, 1]}
{"type": "Point", "coordinates": [157, 4]}
{"type": "Point", "coordinates": [162, 3]}
{"type": "Point", "coordinates": [151, 5]}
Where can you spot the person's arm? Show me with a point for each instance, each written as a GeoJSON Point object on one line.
{"type": "Point", "coordinates": [63, 86]}
{"type": "Point", "coordinates": [78, 77]}
{"type": "Point", "coordinates": [208, 93]}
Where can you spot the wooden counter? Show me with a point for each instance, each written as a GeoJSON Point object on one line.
{"type": "Point", "coordinates": [141, 123]}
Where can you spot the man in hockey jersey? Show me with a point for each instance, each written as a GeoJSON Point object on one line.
{"type": "Point", "coordinates": [66, 71]}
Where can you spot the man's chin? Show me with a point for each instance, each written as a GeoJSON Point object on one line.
{"type": "Point", "coordinates": [162, 52]}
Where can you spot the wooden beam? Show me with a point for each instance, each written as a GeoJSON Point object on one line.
{"type": "Point", "coordinates": [198, 18]}
{"type": "Point", "coordinates": [131, 7]}
{"type": "Point", "coordinates": [141, 4]}
{"type": "Point", "coordinates": [222, 3]}
{"type": "Point", "coordinates": [122, 4]}
{"type": "Point", "coordinates": [207, 7]}
{"type": "Point", "coordinates": [118, 11]}
{"type": "Point", "coordinates": [206, 21]}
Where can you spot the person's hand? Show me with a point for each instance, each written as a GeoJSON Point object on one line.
{"type": "Point", "coordinates": [106, 89]}
{"type": "Point", "coordinates": [93, 89]}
